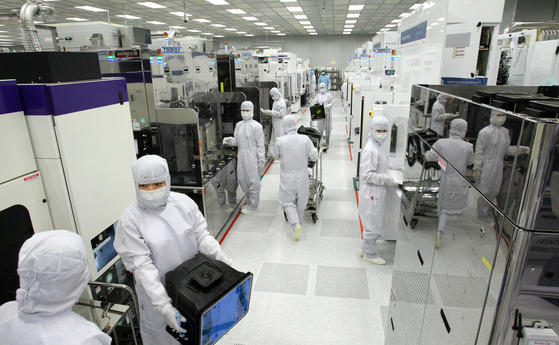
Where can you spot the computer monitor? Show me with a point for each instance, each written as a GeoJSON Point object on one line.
{"type": "Point", "coordinates": [212, 296]}
{"type": "Point", "coordinates": [317, 112]}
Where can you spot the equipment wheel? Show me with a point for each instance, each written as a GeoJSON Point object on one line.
{"type": "Point", "coordinates": [413, 223]}
{"type": "Point", "coordinates": [314, 217]}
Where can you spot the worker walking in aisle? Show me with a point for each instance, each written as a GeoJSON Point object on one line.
{"type": "Point", "coordinates": [157, 233]}
{"type": "Point", "coordinates": [295, 151]}
{"type": "Point", "coordinates": [279, 110]}
{"type": "Point", "coordinates": [324, 126]}
{"type": "Point", "coordinates": [249, 137]}
{"type": "Point", "coordinates": [374, 182]}
{"type": "Point", "coordinates": [53, 273]}
{"type": "Point", "coordinates": [453, 198]}
{"type": "Point", "coordinates": [324, 78]}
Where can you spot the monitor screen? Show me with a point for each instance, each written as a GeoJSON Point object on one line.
{"type": "Point", "coordinates": [103, 248]}
{"type": "Point", "coordinates": [226, 312]}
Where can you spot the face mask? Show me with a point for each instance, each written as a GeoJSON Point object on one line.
{"type": "Point", "coordinates": [323, 73]}
{"type": "Point", "coordinates": [322, 90]}
{"type": "Point", "coordinates": [246, 115]}
{"type": "Point", "coordinates": [153, 195]}
{"type": "Point", "coordinates": [499, 120]}
{"type": "Point", "coordinates": [381, 137]}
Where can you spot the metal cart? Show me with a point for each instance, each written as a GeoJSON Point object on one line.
{"type": "Point", "coordinates": [420, 196]}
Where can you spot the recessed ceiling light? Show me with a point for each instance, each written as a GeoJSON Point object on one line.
{"type": "Point", "coordinates": [281, 34]}
{"type": "Point", "coordinates": [151, 4]}
{"type": "Point", "coordinates": [294, 9]}
{"type": "Point", "coordinates": [347, 33]}
{"type": "Point", "coordinates": [391, 25]}
{"type": "Point", "coordinates": [207, 33]}
{"type": "Point", "coordinates": [180, 14]}
{"type": "Point", "coordinates": [177, 27]}
{"type": "Point", "coordinates": [202, 20]}
{"type": "Point", "coordinates": [127, 16]}
{"type": "Point", "coordinates": [219, 36]}
{"type": "Point", "coordinates": [396, 20]}
{"type": "Point", "coordinates": [237, 11]}
{"type": "Point", "coordinates": [351, 21]}
{"type": "Point", "coordinates": [306, 22]}
{"type": "Point", "coordinates": [92, 9]}
{"type": "Point", "coordinates": [260, 24]}
{"type": "Point", "coordinates": [313, 33]}
{"type": "Point", "coordinates": [78, 19]}
{"type": "Point", "coordinates": [300, 16]}
{"type": "Point", "coordinates": [355, 7]}
{"type": "Point", "coordinates": [192, 30]}
{"type": "Point", "coordinates": [249, 35]}
{"type": "Point", "coordinates": [384, 29]}
{"type": "Point", "coordinates": [308, 27]}
{"type": "Point", "coordinates": [218, 2]}
{"type": "Point", "coordinates": [404, 15]}
{"type": "Point", "coordinates": [288, 0]}
{"type": "Point", "coordinates": [250, 19]}
{"type": "Point", "coordinates": [276, 31]}
{"type": "Point", "coordinates": [241, 32]}
{"type": "Point", "coordinates": [353, 15]}
{"type": "Point", "coordinates": [155, 22]}
{"type": "Point", "coordinates": [350, 26]}
{"type": "Point", "coordinates": [309, 30]}
{"type": "Point", "coordinates": [230, 29]}
{"type": "Point", "coordinates": [218, 25]}
{"type": "Point", "coordinates": [269, 28]}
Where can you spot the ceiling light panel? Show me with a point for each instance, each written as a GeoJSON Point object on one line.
{"type": "Point", "coordinates": [218, 2]}
{"type": "Point", "coordinates": [155, 22]}
{"type": "Point", "coordinates": [127, 16]}
{"type": "Point", "coordinates": [192, 30]}
{"type": "Point", "coordinates": [250, 19]}
{"type": "Point", "coordinates": [269, 28]}
{"type": "Point", "coordinates": [177, 27]}
{"type": "Point", "coordinates": [151, 4]}
{"type": "Point", "coordinates": [78, 19]}
{"type": "Point", "coordinates": [91, 9]}
{"type": "Point", "coordinates": [202, 20]}
{"type": "Point", "coordinates": [261, 24]}
{"type": "Point", "coordinates": [230, 29]}
{"type": "Point", "coordinates": [218, 25]}
{"type": "Point", "coordinates": [305, 22]}
{"type": "Point", "coordinates": [350, 21]}
{"type": "Point", "coordinates": [294, 9]}
{"type": "Point", "coordinates": [236, 11]}
{"type": "Point", "coordinates": [300, 16]}
{"type": "Point", "coordinates": [181, 14]}
{"type": "Point", "coordinates": [353, 15]}
{"type": "Point", "coordinates": [288, 0]}
{"type": "Point", "coordinates": [355, 7]}
{"type": "Point", "coordinates": [308, 27]}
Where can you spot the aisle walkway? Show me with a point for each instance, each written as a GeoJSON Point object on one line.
{"type": "Point", "coordinates": [317, 290]}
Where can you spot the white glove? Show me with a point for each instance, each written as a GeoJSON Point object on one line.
{"type": "Point", "coordinates": [266, 112]}
{"type": "Point", "coordinates": [453, 116]}
{"type": "Point", "coordinates": [171, 319]}
{"type": "Point", "coordinates": [393, 166]}
{"type": "Point", "coordinates": [524, 150]}
{"type": "Point", "coordinates": [390, 182]}
{"type": "Point", "coordinates": [227, 140]}
{"type": "Point", "coordinates": [328, 106]}
{"type": "Point", "coordinates": [477, 175]}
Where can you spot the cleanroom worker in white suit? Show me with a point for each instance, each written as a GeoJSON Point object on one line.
{"type": "Point", "coordinates": [279, 110]}
{"type": "Point", "coordinates": [439, 115]}
{"type": "Point", "coordinates": [324, 125]}
{"type": "Point", "coordinates": [295, 151]}
{"type": "Point", "coordinates": [157, 233]}
{"type": "Point", "coordinates": [53, 272]}
{"type": "Point", "coordinates": [453, 195]}
{"type": "Point", "coordinates": [374, 182]}
{"type": "Point", "coordinates": [493, 143]}
{"type": "Point", "coordinates": [249, 137]}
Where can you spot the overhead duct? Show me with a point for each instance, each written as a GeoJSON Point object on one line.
{"type": "Point", "coordinates": [519, 26]}
{"type": "Point", "coordinates": [30, 10]}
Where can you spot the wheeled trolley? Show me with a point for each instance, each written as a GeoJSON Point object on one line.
{"type": "Point", "coordinates": [421, 195]}
{"type": "Point", "coordinates": [320, 122]}
{"type": "Point", "coordinates": [316, 188]}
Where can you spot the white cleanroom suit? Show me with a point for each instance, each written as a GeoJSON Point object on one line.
{"type": "Point", "coordinates": [439, 115]}
{"type": "Point", "coordinates": [249, 137]}
{"type": "Point", "coordinates": [493, 143]}
{"type": "Point", "coordinates": [294, 150]}
{"type": "Point", "coordinates": [155, 235]}
{"type": "Point", "coordinates": [53, 272]}
{"type": "Point", "coordinates": [324, 125]}
{"type": "Point", "coordinates": [453, 190]}
{"type": "Point", "coordinates": [373, 184]}
{"type": "Point", "coordinates": [279, 110]}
